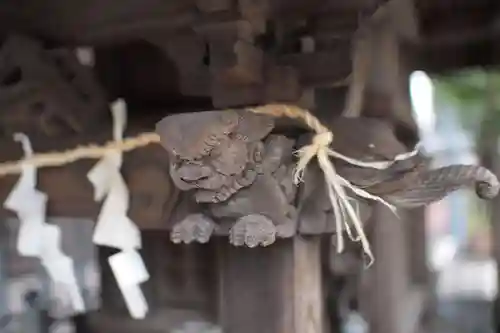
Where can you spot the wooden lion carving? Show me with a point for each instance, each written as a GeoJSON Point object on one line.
{"type": "Point", "coordinates": [240, 176]}
{"type": "Point", "coordinates": [238, 173]}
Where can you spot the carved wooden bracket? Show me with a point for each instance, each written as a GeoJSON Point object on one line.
{"type": "Point", "coordinates": [238, 173]}
{"type": "Point", "coordinates": [46, 91]}
{"type": "Point", "coordinates": [237, 176]}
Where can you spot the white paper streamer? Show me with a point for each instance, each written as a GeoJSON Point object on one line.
{"type": "Point", "coordinates": [36, 237]}
{"type": "Point", "coordinates": [114, 228]}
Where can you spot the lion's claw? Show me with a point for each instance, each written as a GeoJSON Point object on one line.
{"type": "Point", "coordinates": [253, 230]}
{"type": "Point", "coordinates": [194, 228]}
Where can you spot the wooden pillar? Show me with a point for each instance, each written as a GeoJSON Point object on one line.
{"type": "Point", "coordinates": [276, 289]}
{"type": "Point", "coordinates": [390, 299]}
{"type": "Point", "coordinates": [417, 244]}
{"type": "Point", "coordinates": [384, 290]}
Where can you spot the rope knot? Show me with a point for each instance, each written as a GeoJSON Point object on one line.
{"type": "Point", "coordinates": [323, 139]}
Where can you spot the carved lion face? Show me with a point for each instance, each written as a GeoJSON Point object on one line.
{"type": "Point", "coordinates": [214, 152]}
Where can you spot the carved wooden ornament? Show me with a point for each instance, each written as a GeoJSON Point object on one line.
{"type": "Point", "coordinates": [239, 175]}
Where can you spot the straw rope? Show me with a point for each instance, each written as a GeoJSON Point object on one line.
{"type": "Point", "coordinates": [94, 151]}
{"type": "Point", "coordinates": [319, 148]}
{"type": "Point", "coordinates": [91, 151]}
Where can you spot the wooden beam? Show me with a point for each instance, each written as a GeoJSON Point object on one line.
{"type": "Point", "coordinates": [430, 59]}
{"type": "Point", "coordinates": [277, 289]}
{"type": "Point", "coordinates": [404, 18]}
{"type": "Point", "coordinates": [473, 45]}
{"type": "Point", "coordinates": [426, 5]}
{"type": "Point", "coordinates": [387, 87]}
{"type": "Point", "coordinates": [461, 18]}
{"type": "Point", "coordinates": [322, 68]}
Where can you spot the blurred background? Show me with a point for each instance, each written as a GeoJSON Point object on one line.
{"type": "Point", "coordinates": [458, 117]}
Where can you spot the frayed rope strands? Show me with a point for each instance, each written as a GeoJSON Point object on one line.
{"type": "Point", "coordinates": [318, 148]}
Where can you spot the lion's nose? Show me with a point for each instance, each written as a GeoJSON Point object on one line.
{"type": "Point", "coordinates": [191, 173]}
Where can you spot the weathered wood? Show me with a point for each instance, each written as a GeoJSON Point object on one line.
{"type": "Point", "coordinates": [332, 28]}
{"type": "Point", "coordinates": [255, 12]}
{"type": "Point", "coordinates": [235, 63]}
{"type": "Point", "coordinates": [148, 79]}
{"type": "Point", "coordinates": [190, 54]}
{"type": "Point", "coordinates": [308, 293]}
{"type": "Point", "coordinates": [96, 22]}
{"type": "Point", "coordinates": [282, 84]}
{"type": "Point", "coordinates": [388, 298]}
{"type": "Point", "coordinates": [233, 59]}
{"type": "Point", "coordinates": [240, 174]}
{"type": "Point", "coordinates": [213, 5]}
{"type": "Point", "coordinates": [47, 90]}
{"type": "Point", "coordinates": [329, 103]}
{"type": "Point", "coordinates": [321, 68]}
{"type": "Point", "coordinates": [404, 18]}
{"type": "Point", "coordinates": [228, 28]}
{"type": "Point", "coordinates": [383, 298]}
{"type": "Point", "coordinates": [388, 84]}
{"type": "Point", "coordinates": [278, 285]}
{"type": "Point", "coordinates": [419, 270]}
{"type": "Point", "coordinates": [105, 23]}
{"type": "Point", "coordinates": [392, 299]}
{"type": "Point", "coordinates": [272, 290]}
{"type": "Point", "coordinates": [429, 56]}
{"type": "Point", "coordinates": [225, 96]}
